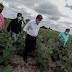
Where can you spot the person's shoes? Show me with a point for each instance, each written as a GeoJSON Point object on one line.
{"type": "Point", "coordinates": [31, 55]}
{"type": "Point", "coordinates": [26, 60]}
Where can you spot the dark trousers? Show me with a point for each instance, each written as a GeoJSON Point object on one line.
{"type": "Point", "coordinates": [29, 45]}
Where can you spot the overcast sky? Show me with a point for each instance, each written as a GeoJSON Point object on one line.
{"type": "Point", "coordinates": [55, 14]}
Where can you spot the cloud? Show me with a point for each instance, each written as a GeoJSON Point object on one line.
{"type": "Point", "coordinates": [55, 15]}
{"type": "Point", "coordinates": [29, 7]}
{"type": "Point", "coordinates": [48, 9]}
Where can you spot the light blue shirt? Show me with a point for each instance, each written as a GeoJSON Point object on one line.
{"type": "Point", "coordinates": [22, 24]}
{"type": "Point", "coordinates": [64, 38]}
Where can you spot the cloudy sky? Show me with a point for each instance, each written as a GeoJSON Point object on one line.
{"type": "Point", "coordinates": [55, 13]}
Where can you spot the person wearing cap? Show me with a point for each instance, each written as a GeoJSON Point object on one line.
{"type": "Point", "coordinates": [32, 28]}
{"type": "Point", "coordinates": [63, 38]}
{"type": "Point", "coordinates": [1, 18]}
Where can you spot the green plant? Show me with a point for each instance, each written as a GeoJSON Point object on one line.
{"type": "Point", "coordinates": [7, 69]}
{"type": "Point", "coordinates": [6, 49]}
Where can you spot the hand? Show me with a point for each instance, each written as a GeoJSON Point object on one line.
{"type": "Point", "coordinates": [66, 46]}
{"type": "Point", "coordinates": [20, 33]}
{"type": "Point", "coordinates": [24, 37]}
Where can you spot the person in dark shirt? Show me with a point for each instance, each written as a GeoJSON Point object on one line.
{"type": "Point", "coordinates": [15, 27]}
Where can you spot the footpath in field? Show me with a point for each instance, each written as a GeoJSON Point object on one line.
{"type": "Point", "coordinates": [19, 65]}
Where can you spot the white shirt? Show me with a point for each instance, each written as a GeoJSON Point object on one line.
{"type": "Point", "coordinates": [32, 28]}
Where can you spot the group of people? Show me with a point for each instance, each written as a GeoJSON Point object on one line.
{"type": "Point", "coordinates": [32, 28]}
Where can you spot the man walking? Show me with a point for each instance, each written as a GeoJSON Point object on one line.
{"type": "Point", "coordinates": [1, 18]}
{"type": "Point", "coordinates": [32, 28]}
{"type": "Point", "coordinates": [15, 27]}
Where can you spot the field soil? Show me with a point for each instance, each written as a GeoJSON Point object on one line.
{"type": "Point", "coordinates": [19, 65]}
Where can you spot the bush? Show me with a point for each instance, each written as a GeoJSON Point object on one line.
{"type": "Point", "coordinates": [6, 49]}
{"type": "Point", "coordinates": [6, 69]}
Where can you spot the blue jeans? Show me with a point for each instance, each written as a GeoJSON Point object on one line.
{"type": "Point", "coordinates": [15, 36]}
{"type": "Point", "coordinates": [0, 31]}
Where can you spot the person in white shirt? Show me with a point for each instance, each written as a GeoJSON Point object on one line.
{"type": "Point", "coordinates": [32, 28]}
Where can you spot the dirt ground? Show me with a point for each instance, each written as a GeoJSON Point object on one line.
{"type": "Point", "coordinates": [19, 65]}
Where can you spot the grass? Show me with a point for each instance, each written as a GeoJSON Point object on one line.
{"type": "Point", "coordinates": [46, 49]}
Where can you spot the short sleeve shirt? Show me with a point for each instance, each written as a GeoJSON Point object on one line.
{"type": "Point", "coordinates": [64, 38]}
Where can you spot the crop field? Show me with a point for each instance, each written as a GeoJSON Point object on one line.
{"type": "Point", "coordinates": [46, 51]}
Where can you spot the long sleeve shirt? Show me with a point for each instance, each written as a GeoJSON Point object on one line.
{"type": "Point", "coordinates": [14, 26]}
{"type": "Point", "coordinates": [1, 22]}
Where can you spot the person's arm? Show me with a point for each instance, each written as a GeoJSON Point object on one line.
{"type": "Point", "coordinates": [66, 44]}
{"type": "Point", "coordinates": [24, 35]}
{"type": "Point", "coordinates": [20, 27]}
{"type": "Point", "coordinates": [9, 27]}
{"type": "Point", "coordinates": [25, 29]}
{"type": "Point", "coordinates": [2, 23]}
{"type": "Point", "coordinates": [59, 38]}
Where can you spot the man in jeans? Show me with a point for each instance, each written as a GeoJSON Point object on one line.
{"type": "Point", "coordinates": [32, 28]}
{"type": "Point", "coordinates": [15, 27]}
{"type": "Point", "coordinates": [1, 18]}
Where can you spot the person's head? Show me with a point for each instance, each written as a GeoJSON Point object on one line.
{"type": "Point", "coordinates": [39, 18]}
{"type": "Point", "coordinates": [19, 16]}
{"type": "Point", "coordinates": [1, 7]}
{"type": "Point", "coordinates": [22, 18]}
{"type": "Point", "coordinates": [67, 31]}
